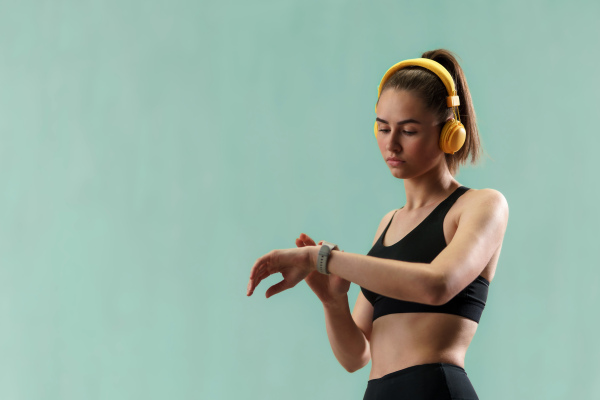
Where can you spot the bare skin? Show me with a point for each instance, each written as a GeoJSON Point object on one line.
{"type": "Point", "coordinates": [398, 341]}
{"type": "Point", "coordinates": [473, 228]}
{"type": "Point", "coordinates": [401, 340]}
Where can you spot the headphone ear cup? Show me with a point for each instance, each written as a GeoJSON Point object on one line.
{"type": "Point", "coordinates": [375, 129]}
{"type": "Point", "coordinates": [452, 137]}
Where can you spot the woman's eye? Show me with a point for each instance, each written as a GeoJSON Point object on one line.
{"type": "Point", "coordinates": [409, 133]}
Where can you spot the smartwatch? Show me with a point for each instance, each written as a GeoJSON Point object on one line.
{"type": "Point", "coordinates": [324, 253]}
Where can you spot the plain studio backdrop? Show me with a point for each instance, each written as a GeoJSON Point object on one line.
{"type": "Point", "coordinates": [151, 151]}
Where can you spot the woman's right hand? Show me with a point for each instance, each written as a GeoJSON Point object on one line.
{"type": "Point", "coordinates": [328, 288]}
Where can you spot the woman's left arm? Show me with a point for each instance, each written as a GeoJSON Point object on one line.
{"type": "Point", "coordinates": [479, 235]}
{"type": "Point", "coordinates": [480, 232]}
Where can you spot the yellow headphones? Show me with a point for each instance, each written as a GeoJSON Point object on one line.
{"type": "Point", "coordinates": [453, 133]}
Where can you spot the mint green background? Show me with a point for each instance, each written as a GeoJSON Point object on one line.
{"type": "Point", "coordinates": [151, 150]}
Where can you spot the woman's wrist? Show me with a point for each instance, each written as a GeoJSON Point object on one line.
{"type": "Point", "coordinates": [337, 303]}
{"type": "Point", "coordinates": [313, 254]}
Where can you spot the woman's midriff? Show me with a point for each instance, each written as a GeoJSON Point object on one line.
{"type": "Point", "coordinates": [400, 341]}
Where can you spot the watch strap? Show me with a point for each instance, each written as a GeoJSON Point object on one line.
{"type": "Point", "coordinates": [323, 256]}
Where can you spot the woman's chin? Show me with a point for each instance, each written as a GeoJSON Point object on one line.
{"type": "Point", "coordinates": [398, 174]}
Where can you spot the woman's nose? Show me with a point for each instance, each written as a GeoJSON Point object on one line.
{"type": "Point", "coordinates": [393, 143]}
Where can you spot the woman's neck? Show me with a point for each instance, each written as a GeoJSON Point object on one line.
{"type": "Point", "coordinates": [429, 188]}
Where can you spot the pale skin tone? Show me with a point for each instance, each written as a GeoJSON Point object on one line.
{"type": "Point", "coordinates": [473, 228]}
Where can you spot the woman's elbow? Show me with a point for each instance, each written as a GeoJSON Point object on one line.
{"type": "Point", "coordinates": [364, 362]}
{"type": "Point", "coordinates": [438, 293]}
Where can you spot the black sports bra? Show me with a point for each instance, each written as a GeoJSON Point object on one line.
{"type": "Point", "coordinates": [422, 245]}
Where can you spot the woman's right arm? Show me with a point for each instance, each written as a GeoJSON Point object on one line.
{"type": "Point", "coordinates": [350, 333]}
{"type": "Point", "coordinates": [350, 343]}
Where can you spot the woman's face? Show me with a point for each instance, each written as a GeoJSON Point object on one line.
{"type": "Point", "coordinates": [408, 132]}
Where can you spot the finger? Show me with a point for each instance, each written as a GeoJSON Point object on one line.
{"type": "Point", "coordinates": [265, 269]}
{"type": "Point", "coordinates": [258, 277]}
{"type": "Point", "coordinates": [261, 275]}
{"type": "Point", "coordinates": [249, 288]}
{"type": "Point", "coordinates": [255, 267]}
{"type": "Point", "coordinates": [254, 282]}
{"type": "Point", "coordinates": [300, 242]}
{"type": "Point", "coordinates": [264, 266]}
{"type": "Point", "coordinates": [260, 262]}
{"type": "Point", "coordinates": [277, 288]}
{"type": "Point", "coordinates": [307, 240]}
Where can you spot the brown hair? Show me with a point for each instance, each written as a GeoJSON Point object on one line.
{"type": "Point", "coordinates": [429, 87]}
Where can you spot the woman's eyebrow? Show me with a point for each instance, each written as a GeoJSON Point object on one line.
{"type": "Point", "coordinates": [406, 121]}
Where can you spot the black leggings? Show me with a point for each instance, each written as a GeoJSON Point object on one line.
{"type": "Point", "coordinates": [437, 381]}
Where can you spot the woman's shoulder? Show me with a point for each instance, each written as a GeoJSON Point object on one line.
{"type": "Point", "coordinates": [484, 201]}
{"type": "Point", "coordinates": [489, 197]}
{"type": "Point", "coordinates": [387, 218]}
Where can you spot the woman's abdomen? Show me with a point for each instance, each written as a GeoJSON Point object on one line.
{"type": "Point", "coordinates": [405, 339]}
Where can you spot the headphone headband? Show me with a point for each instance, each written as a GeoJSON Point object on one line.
{"type": "Point", "coordinates": [435, 67]}
{"type": "Point", "coordinates": [453, 134]}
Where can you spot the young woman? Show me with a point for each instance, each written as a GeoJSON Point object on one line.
{"type": "Point", "coordinates": [425, 282]}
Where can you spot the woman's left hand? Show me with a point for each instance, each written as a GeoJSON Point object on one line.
{"type": "Point", "coordinates": [293, 264]}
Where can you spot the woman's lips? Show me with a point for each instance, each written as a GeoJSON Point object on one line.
{"type": "Point", "coordinates": [394, 162]}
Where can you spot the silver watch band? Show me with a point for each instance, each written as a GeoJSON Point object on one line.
{"type": "Point", "coordinates": [324, 253]}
